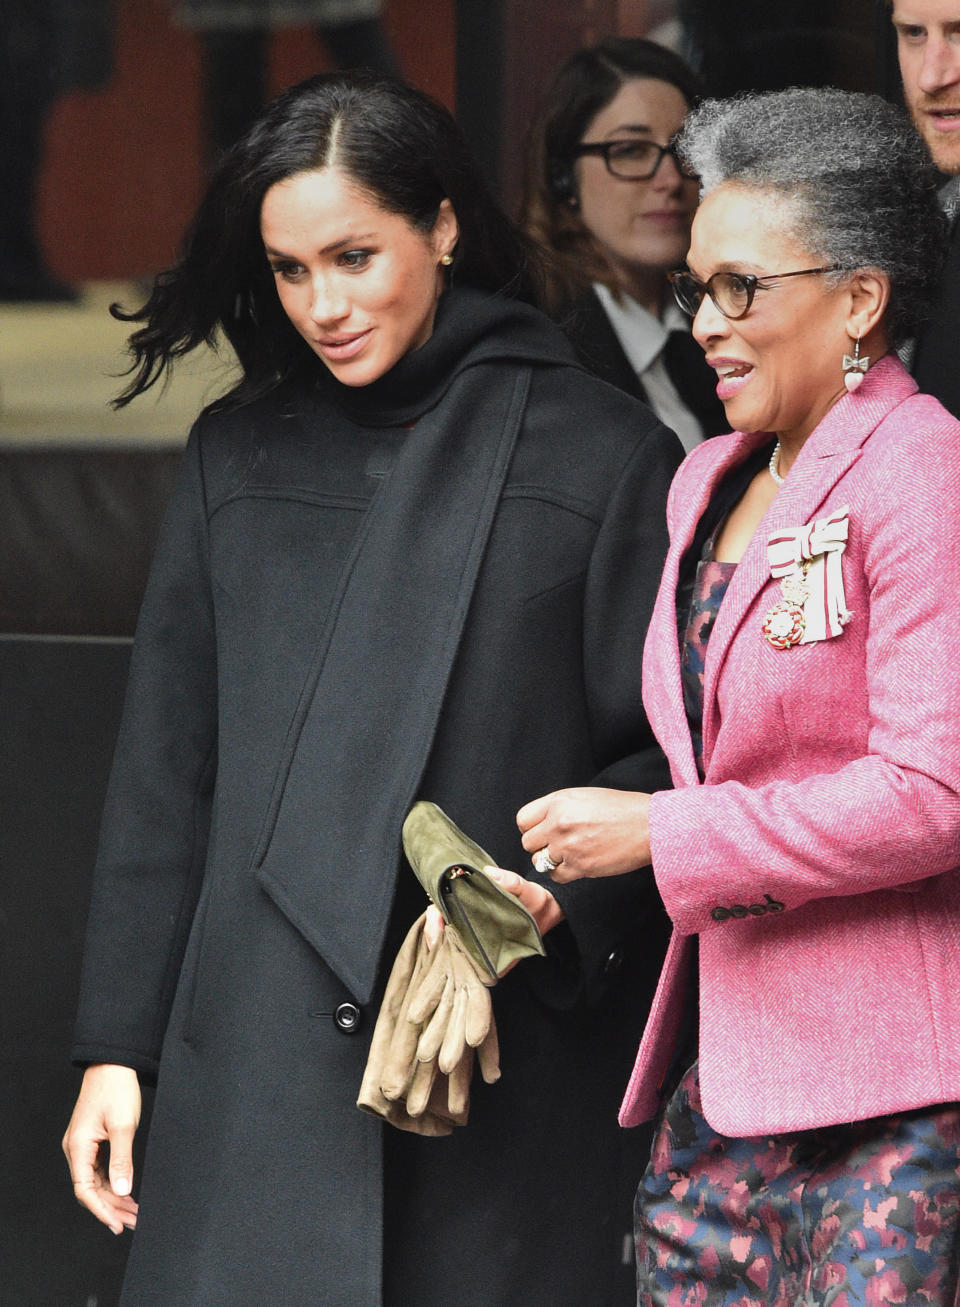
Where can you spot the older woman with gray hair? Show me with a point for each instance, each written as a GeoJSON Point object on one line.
{"type": "Point", "coordinates": [802, 1049]}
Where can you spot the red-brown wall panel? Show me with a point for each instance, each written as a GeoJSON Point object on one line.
{"type": "Point", "coordinates": [122, 167]}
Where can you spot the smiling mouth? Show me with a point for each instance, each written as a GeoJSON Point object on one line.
{"type": "Point", "coordinates": [731, 378]}
{"type": "Point", "coordinates": [341, 347]}
{"type": "Point", "coordinates": [944, 117]}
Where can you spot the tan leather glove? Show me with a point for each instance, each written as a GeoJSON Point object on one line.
{"type": "Point", "coordinates": [386, 1046]}
{"type": "Point", "coordinates": [435, 1017]}
{"type": "Point", "coordinates": [471, 1024]}
{"type": "Point", "coordinates": [460, 1026]}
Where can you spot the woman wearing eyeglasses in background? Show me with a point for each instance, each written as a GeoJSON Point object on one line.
{"type": "Point", "coordinates": [800, 675]}
{"type": "Point", "coordinates": [611, 205]}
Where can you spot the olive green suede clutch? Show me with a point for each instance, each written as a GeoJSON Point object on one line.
{"type": "Point", "coordinates": [496, 929]}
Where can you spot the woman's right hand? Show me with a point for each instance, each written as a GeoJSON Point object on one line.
{"type": "Point", "coordinates": [107, 1112]}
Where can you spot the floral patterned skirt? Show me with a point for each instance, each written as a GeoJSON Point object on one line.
{"type": "Point", "coordinates": [867, 1213]}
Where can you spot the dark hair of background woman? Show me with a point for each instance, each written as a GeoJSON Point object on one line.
{"type": "Point", "coordinates": [588, 81]}
{"type": "Point", "coordinates": [394, 143]}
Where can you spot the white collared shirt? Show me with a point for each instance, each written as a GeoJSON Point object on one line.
{"type": "Point", "coordinates": [643, 337]}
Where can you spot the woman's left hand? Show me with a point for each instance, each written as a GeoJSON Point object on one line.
{"type": "Point", "coordinates": [588, 831]}
{"type": "Point", "coordinates": [536, 898]}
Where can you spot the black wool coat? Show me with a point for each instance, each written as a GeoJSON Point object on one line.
{"type": "Point", "coordinates": [435, 587]}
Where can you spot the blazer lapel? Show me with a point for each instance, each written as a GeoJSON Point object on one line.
{"type": "Point", "coordinates": [663, 689]}
{"type": "Point", "coordinates": [832, 448]}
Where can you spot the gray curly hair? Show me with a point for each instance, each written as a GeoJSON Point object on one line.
{"type": "Point", "coordinates": [856, 182]}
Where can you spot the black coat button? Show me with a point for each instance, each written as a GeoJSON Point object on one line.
{"type": "Point", "coordinates": [773, 905]}
{"type": "Point", "coordinates": [757, 910]}
{"type": "Point", "coordinates": [614, 962]}
{"type": "Point", "coordinates": [738, 910]}
{"type": "Point", "coordinates": [348, 1018]}
{"type": "Point", "coordinates": [720, 914]}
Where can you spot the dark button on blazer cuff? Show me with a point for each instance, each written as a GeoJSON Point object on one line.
{"type": "Point", "coordinates": [738, 910]}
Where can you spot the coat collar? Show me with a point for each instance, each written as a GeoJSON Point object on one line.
{"type": "Point", "coordinates": [472, 327]}
{"type": "Point", "coordinates": [832, 448]}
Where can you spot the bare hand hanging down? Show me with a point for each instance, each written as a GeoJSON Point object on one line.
{"type": "Point", "coordinates": [107, 1113]}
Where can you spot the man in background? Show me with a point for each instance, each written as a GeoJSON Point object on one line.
{"type": "Point", "coordinates": [928, 50]}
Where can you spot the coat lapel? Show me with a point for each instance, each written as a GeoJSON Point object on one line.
{"type": "Point", "coordinates": [360, 740]}
{"type": "Point", "coordinates": [598, 345]}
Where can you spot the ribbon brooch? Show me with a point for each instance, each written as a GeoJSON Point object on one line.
{"type": "Point", "coordinates": [806, 562]}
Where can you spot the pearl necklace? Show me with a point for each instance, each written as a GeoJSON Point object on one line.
{"type": "Point", "coordinates": [774, 464]}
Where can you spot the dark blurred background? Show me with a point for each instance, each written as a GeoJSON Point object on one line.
{"type": "Point", "coordinates": [123, 162]}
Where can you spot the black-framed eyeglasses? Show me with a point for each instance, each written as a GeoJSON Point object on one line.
{"type": "Point", "coordinates": [633, 160]}
{"type": "Point", "coordinates": [731, 292]}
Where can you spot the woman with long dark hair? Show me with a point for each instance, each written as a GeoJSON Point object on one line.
{"type": "Point", "coordinates": [388, 572]}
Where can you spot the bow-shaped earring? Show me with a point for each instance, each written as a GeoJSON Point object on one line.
{"type": "Point", "coordinates": [854, 367]}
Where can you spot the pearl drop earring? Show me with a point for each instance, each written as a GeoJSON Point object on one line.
{"type": "Point", "coordinates": [854, 367]}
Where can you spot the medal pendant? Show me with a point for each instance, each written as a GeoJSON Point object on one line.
{"type": "Point", "coordinates": [783, 625]}
{"type": "Point", "coordinates": [794, 588]}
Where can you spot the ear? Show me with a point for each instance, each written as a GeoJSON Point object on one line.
{"type": "Point", "coordinates": [869, 302]}
{"type": "Point", "coordinates": [446, 230]}
{"type": "Point", "coordinates": [563, 185]}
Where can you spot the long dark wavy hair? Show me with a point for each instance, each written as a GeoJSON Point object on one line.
{"type": "Point", "coordinates": [397, 145]}
{"type": "Point", "coordinates": [588, 81]}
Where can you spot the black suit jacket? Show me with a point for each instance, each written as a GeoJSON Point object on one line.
{"type": "Point", "coordinates": [936, 360]}
{"type": "Point", "coordinates": [598, 347]}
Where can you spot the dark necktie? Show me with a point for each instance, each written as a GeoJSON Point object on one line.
{"type": "Point", "coordinates": [696, 383]}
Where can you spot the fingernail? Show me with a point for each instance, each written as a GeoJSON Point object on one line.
{"type": "Point", "coordinates": [494, 873]}
{"type": "Point", "coordinates": [121, 1186]}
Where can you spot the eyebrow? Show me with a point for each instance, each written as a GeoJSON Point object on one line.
{"type": "Point", "coordinates": [734, 265]}
{"type": "Point", "coordinates": [343, 243]}
{"type": "Point", "coordinates": [916, 25]}
{"type": "Point", "coordinates": [630, 127]}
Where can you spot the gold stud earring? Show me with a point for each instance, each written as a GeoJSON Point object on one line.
{"type": "Point", "coordinates": [446, 260]}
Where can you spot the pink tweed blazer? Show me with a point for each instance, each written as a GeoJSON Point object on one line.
{"type": "Point", "coordinates": [831, 800]}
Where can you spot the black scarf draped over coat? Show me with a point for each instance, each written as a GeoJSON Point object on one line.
{"type": "Point", "coordinates": [434, 586]}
